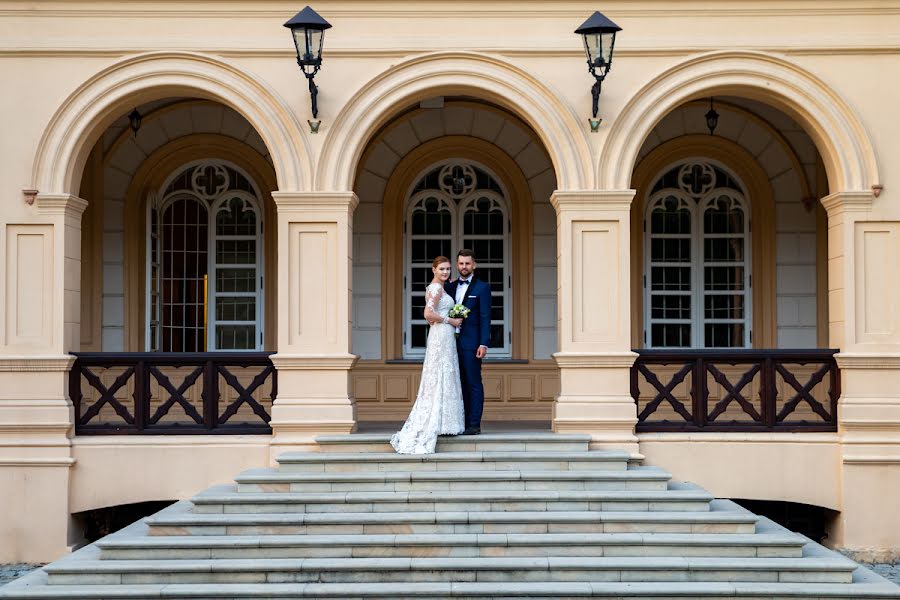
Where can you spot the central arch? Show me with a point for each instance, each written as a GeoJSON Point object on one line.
{"type": "Point", "coordinates": [91, 108]}
{"type": "Point", "coordinates": [456, 73]}
{"type": "Point", "coordinates": [832, 124]}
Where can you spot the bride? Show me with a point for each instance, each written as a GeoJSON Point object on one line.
{"type": "Point", "coordinates": [439, 406]}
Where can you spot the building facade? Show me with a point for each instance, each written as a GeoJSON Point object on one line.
{"type": "Point", "coordinates": [191, 296]}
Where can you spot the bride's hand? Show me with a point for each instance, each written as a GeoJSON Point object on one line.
{"type": "Point", "coordinates": [455, 322]}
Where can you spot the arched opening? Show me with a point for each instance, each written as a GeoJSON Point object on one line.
{"type": "Point", "coordinates": [450, 173]}
{"type": "Point", "coordinates": [178, 274]}
{"type": "Point", "coordinates": [729, 273]}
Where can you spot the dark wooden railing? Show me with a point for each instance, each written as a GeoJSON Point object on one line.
{"type": "Point", "coordinates": [736, 390]}
{"type": "Point", "coordinates": [172, 393]}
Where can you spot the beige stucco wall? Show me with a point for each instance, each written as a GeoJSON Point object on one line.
{"type": "Point", "coordinates": [73, 68]}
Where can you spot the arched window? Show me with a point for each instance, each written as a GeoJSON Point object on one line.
{"type": "Point", "coordinates": [204, 288]}
{"type": "Point", "coordinates": [697, 259]}
{"type": "Point", "coordinates": [457, 204]}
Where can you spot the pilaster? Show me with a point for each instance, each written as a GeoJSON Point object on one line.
{"type": "Point", "coordinates": [595, 357]}
{"type": "Point", "coordinates": [40, 324]}
{"type": "Point", "coordinates": [863, 271]}
{"type": "Point", "coordinates": [314, 291]}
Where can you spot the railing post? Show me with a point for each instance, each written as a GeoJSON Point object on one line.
{"type": "Point", "coordinates": [141, 395]}
{"type": "Point", "coordinates": [210, 395]}
{"type": "Point", "coordinates": [768, 392]}
{"type": "Point", "coordinates": [75, 392]}
{"type": "Point", "coordinates": [700, 393]}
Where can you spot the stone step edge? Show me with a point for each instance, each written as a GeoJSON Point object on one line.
{"type": "Point", "coordinates": [228, 494]}
{"type": "Point", "coordinates": [809, 564]}
{"type": "Point", "coordinates": [31, 589]}
{"type": "Point", "coordinates": [456, 517]}
{"type": "Point", "coordinates": [520, 436]}
{"type": "Point", "coordinates": [263, 475]}
{"type": "Point", "coordinates": [468, 456]}
{"type": "Point", "coordinates": [459, 539]}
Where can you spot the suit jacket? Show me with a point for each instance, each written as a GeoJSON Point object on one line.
{"type": "Point", "coordinates": [476, 328]}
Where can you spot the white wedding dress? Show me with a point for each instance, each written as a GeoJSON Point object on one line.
{"type": "Point", "coordinates": [439, 405]}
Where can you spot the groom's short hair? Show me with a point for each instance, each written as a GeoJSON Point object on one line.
{"type": "Point", "coordinates": [466, 252]}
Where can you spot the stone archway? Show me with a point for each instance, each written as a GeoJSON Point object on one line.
{"type": "Point", "coordinates": [87, 112]}
{"type": "Point", "coordinates": [832, 124]}
{"type": "Point", "coordinates": [456, 73]}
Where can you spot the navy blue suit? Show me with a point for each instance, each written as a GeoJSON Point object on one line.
{"type": "Point", "coordinates": [474, 332]}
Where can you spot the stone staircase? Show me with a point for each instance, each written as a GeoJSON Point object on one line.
{"type": "Point", "coordinates": [506, 516]}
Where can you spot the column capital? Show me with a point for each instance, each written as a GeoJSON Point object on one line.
{"type": "Point", "coordinates": [60, 204]}
{"type": "Point", "coordinates": [320, 202]}
{"type": "Point", "coordinates": [595, 360]}
{"type": "Point", "coordinates": [592, 200]}
{"type": "Point", "coordinates": [845, 202]}
{"type": "Point", "coordinates": [313, 362]}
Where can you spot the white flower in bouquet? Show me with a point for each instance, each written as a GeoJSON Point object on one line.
{"type": "Point", "coordinates": [459, 311]}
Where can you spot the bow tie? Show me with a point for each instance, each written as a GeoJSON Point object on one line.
{"type": "Point", "coordinates": [463, 282]}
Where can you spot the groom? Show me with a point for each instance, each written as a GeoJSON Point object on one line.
{"type": "Point", "coordinates": [474, 336]}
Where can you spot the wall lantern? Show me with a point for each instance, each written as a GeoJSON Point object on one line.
{"type": "Point", "coordinates": [599, 34]}
{"type": "Point", "coordinates": [134, 121]}
{"type": "Point", "coordinates": [712, 118]}
{"type": "Point", "coordinates": [308, 30]}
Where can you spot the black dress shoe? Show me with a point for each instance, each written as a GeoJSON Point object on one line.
{"type": "Point", "coordinates": [471, 431]}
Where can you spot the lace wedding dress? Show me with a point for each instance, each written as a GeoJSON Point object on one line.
{"type": "Point", "coordinates": [439, 405]}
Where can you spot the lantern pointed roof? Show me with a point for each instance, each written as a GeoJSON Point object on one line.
{"type": "Point", "coordinates": [308, 18]}
{"type": "Point", "coordinates": [598, 23]}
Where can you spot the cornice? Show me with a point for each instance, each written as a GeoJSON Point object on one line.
{"type": "Point", "coordinates": [49, 364]}
{"type": "Point", "coordinates": [843, 202]}
{"type": "Point", "coordinates": [572, 51]}
{"type": "Point", "coordinates": [852, 360]}
{"type": "Point", "coordinates": [315, 201]}
{"type": "Point", "coordinates": [313, 362]}
{"type": "Point", "coordinates": [60, 204]}
{"type": "Point", "coordinates": [594, 200]}
{"type": "Point", "coordinates": [592, 360]}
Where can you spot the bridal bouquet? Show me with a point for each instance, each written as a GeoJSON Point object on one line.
{"type": "Point", "coordinates": [459, 311]}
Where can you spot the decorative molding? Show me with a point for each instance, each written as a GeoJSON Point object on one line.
{"type": "Point", "coordinates": [853, 360]}
{"type": "Point", "coordinates": [60, 204]}
{"type": "Point", "coordinates": [29, 196]}
{"type": "Point", "coordinates": [160, 74]}
{"type": "Point", "coordinates": [592, 360]}
{"type": "Point", "coordinates": [844, 202]}
{"type": "Point", "coordinates": [318, 202]}
{"type": "Point", "coordinates": [314, 362]}
{"type": "Point", "coordinates": [871, 460]}
{"type": "Point", "coordinates": [727, 437]}
{"type": "Point", "coordinates": [37, 462]}
{"type": "Point", "coordinates": [844, 144]}
{"type": "Point", "coordinates": [44, 364]}
{"type": "Point", "coordinates": [592, 200]}
{"type": "Point", "coordinates": [489, 76]}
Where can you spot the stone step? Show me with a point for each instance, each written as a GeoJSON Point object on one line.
{"type": "Point", "coordinates": [344, 462]}
{"type": "Point", "coordinates": [452, 522]}
{"type": "Point", "coordinates": [764, 545]}
{"type": "Point", "coordinates": [220, 501]}
{"type": "Point", "coordinates": [556, 590]}
{"type": "Point", "coordinates": [520, 441]}
{"type": "Point", "coordinates": [399, 570]}
{"type": "Point", "coordinates": [270, 480]}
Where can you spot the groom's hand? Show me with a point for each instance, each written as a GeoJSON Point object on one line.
{"type": "Point", "coordinates": [481, 352]}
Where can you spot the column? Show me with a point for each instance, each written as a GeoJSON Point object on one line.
{"type": "Point", "coordinates": [314, 291]}
{"type": "Point", "coordinates": [40, 324]}
{"type": "Point", "coordinates": [595, 357]}
{"type": "Point", "coordinates": [864, 322]}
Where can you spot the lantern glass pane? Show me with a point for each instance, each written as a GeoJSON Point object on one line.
{"type": "Point", "coordinates": [314, 43]}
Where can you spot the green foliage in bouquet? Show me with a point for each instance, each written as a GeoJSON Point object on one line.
{"type": "Point", "coordinates": [459, 311]}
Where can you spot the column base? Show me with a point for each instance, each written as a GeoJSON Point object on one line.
{"type": "Point", "coordinates": [313, 399]}
{"type": "Point", "coordinates": [595, 399]}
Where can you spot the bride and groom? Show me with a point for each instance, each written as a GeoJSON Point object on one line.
{"type": "Point", "coordinates": [451, 395]}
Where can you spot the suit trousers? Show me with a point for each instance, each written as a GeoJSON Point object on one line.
{"type": "Point", "coordinates": [472, 386]}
